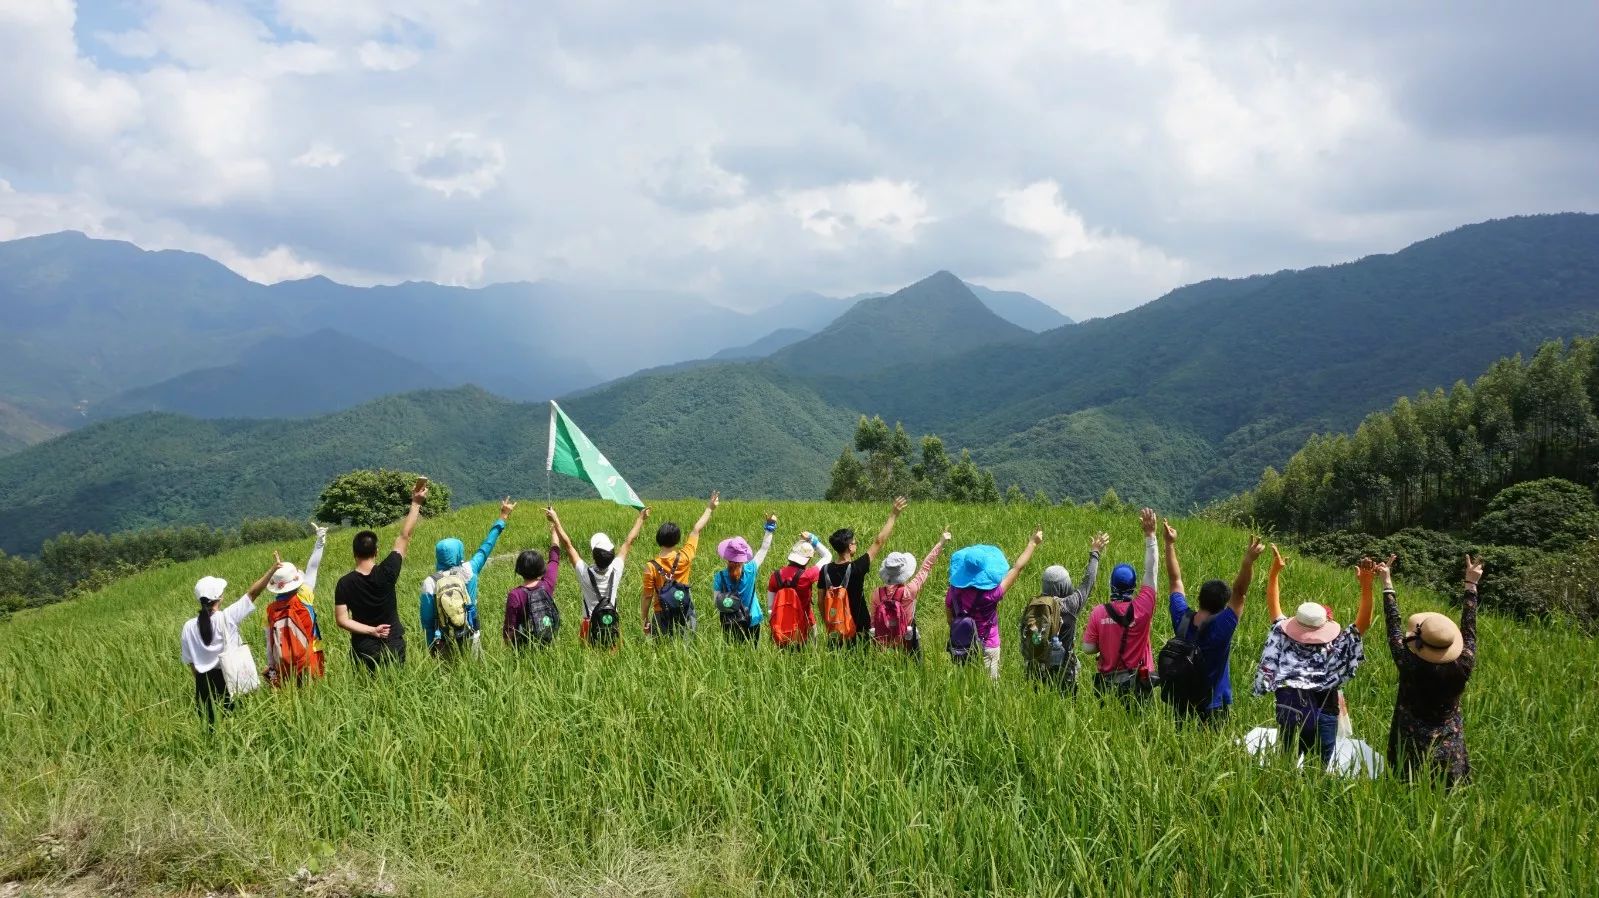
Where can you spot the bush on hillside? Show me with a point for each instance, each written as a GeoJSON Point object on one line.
{"type": "Point", "coordinates": [371, 498]}
{"type": "Point", "coordinates": [1550, 514]}
{"type": "Point", "coordinates": [1570, 583]}
{"type": "Point", "coordinates": [1436, 560]}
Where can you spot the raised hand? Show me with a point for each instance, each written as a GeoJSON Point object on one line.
{"type": "Point", "coordinates": [1038, 537]}
{"type": "Point", "coordinates": [1099, 542]}
{"type": "Point", "coordinates": [1385, 569]}
{"type": "Point", "coordinates": [419, 493]}
{"type": "Point", "coordinates": [644, 513]}
{"type": "Point", "coordinates": [1366, 571]}
{"type": "Point", "coordinates": [899, 504]}
{"type": "Point", "coordinates": [1473, 569]}
{"type": "Point", "coordinates": [506, 507]}
{"type": "Point", "coordinates": [771, 518]}
{"type": "Point", "coordinates": [1170, 531]}
{"type": "Point", "coordinates": [1256, 547]}
{"type": "Point", "coordinates": [945, 536]}
{"type": "Point", "coordinates": [550, 515]}
{"type": "Point", "coordinates": [716, 499]}
{"type": "Point", "coordinates": [1147, 518]}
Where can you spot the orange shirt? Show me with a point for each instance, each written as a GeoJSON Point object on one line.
{"type": "Point", "coordinates": [678, 562]}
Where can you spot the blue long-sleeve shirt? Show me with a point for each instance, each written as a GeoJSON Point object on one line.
{"type": "Point", "coordinates": [448, 555]}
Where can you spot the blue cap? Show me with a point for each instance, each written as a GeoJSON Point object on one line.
{"type": "Point", "coordinates": [1123, 578]}
{"type": "Point", "coordinates": [982, 567]}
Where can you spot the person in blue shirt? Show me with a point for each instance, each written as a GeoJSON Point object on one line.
{"type": "Point", "coordinates": [1214, 622]}
{"type": "Point", "coordinates": [736, 584]}
{"type": "Point", "coordinates": [449, 556]}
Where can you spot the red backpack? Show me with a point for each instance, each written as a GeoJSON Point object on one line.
{"type": "Point", "coordinates": [791, 615]}
{"type": "Point", "coordinates": [836, 615]}
{"type": "Point", "coordinates": [890, 622]}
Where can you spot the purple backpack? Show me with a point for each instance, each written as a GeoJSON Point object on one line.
{"type": "Point", "coordinates": [962, 630]}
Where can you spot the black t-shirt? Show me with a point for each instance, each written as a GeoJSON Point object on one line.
{"type": "Point", "coordinates": [371, 600]}
{"type": "Point", "coordinates": [852, 574]}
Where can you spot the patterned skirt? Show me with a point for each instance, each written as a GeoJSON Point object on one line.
{"type": "Point", "coordinates": [1419, 748]}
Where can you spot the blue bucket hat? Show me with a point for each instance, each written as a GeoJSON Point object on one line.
{"type": "Point", "coordinates": [981, 567]}
{"type": "Point", "coordinates": [1123, 578]}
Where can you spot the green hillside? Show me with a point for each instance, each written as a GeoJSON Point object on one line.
{"type": "Point", "coordinates": [715, 770]}
{"type": "Point", "coordinates": [755, 435]}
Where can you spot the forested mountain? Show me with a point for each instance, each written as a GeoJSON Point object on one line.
{"type": "Point", "coordinates": [765, 346]}
{"type": "Point", "coordinates": [1180, 401]}
{"type": "Point", "coordinates": [934, 318]}
{"type": "Point", "coordinates": [88, 320]}
{"type": "Point", "coordinates": [281, 377]}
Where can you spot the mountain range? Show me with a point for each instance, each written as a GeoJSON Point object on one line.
{"type": "Point", "coordinates": [1181, 400]}
{"type": "Point", "coordinates": [97, 328]}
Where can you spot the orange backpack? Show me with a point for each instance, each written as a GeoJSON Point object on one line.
{"type": "Point", "coordinates": [791, 615]}
{"type": "Point", "coordinates": [294, 642]}
{"type": "Point", "coordinates": [836, 615]}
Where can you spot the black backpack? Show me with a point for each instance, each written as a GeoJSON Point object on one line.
{"type": "Point", "coordinates": [730, 605]}
{"type": "Point", "coordinates": [605, 626]}
{"type": "Point", "coordinates": [540, 618]}
{"type": "Point", "coordinates": [674, 596]}
{"type": "Point", "coordinates": [1181, 666]}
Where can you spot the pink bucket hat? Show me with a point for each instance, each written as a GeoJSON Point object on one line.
{"type": "Point", "coordinates": [735, 549]}
{"type": "Point", "coordinates": [1311, 625]}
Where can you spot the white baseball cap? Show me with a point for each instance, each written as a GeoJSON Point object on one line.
{"type": "Point", "coordinates": [602, 542]}
{"type": "Point", "coordinates": [210, 589]}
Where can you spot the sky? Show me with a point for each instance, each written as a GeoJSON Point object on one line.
{"type": "Point", "coordinates": [1092, 154]}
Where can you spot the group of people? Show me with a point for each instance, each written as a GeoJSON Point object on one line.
{"type": "Point", "coordinates": [820, 592]}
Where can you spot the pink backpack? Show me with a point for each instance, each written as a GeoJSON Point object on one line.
{"type": "Point", "coordinates": [890, 620]}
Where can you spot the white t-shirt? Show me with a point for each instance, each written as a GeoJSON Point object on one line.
{"type": "Point", "coordinates": [224, 627]}
{"type": "Point", "coordinates": [609, 582]}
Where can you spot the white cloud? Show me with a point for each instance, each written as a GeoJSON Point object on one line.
{"type": "Point", "coordinates": [1095, 152]}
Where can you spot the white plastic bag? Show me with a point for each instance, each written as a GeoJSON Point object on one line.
{"type": "Point", "coordinates": [238, 665]}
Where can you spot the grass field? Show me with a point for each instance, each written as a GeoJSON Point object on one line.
{"type": "Point", "coordinates": [710, 769]}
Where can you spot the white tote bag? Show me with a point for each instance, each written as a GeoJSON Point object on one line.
{"type": "Point", "coordinates": [238, 664]}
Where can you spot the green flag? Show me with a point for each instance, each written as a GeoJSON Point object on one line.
{"type": "Point", "coordinates": [575, 455]}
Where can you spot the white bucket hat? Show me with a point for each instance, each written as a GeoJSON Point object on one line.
{"type": "Point", "coordinates": [285, 579]}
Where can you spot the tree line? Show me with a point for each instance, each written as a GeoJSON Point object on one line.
{"type": "Point", "coordinates": [1438, 460]}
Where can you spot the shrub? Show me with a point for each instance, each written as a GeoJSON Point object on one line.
{"type": "Point", "coordinates": [374, 498]}
{"type": "Point", "coordinates": [272, 530]}
{"type": "Point", "coordinates": [1549, 514]}
{"type": "Point", "coordinates": [1569, 583]}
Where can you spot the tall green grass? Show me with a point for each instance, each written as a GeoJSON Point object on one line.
{"type": "Point", "coordinates": [708, 768]}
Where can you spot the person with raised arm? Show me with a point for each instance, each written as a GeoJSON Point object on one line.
{"type": "Point", "coordinates": [531, 616]}
{"type": "Point", "coordinates": [979, 578]}
{"type": "Point", "coordinates": [1049, 623]}
{"type": "Point", "coordinates": [204, 638]}
{"type": "Point", "coordinates": [848, 571]}
{"type": "Point", "coordinates": [600, 582]}
{"type": "Point", "coordinates": [1210, 628]}
{"type": "Point", "coordinates": [448, 603]}
{"type": "Point", "coordinates": [1435, 659]}
{"type": "Point", "coordinates": [668, 607]}
{"type": "Point", "coordinates": [734, 587]}
{"type": "Point", "coordinates": [894, 605]}
{"type": "Point", "coordinates": [789, 591]}
{"type": "Point", "coordinates": [293, 633]}
{"type": "Point", "coordinates": [364, 602]}
{"type": "Point", "coordinates": [1305, 663]}
{"type": "Point", "coordinates": [1118, 631]}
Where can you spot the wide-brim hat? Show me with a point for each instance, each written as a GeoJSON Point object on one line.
{"type": "Point", "coordinates": [979, 567]}
{"type": "Point", "coordinates": [1310, 625]}
{"type": "Point", "coordinates": [735, 549]}
{"type": "Point", "coordinates": [1434, 637]}
{"type": "Point", "coordinates": [802, 553]}
{"type": "Point", "coordinates": [601, 542]}
{"type": "Point", "coordinates": [285, 579]}
{"type": "Point", "coordinates": [896, 568]}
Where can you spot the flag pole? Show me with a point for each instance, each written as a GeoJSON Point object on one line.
{"type": "Point", "coordinates": [549, 461]}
